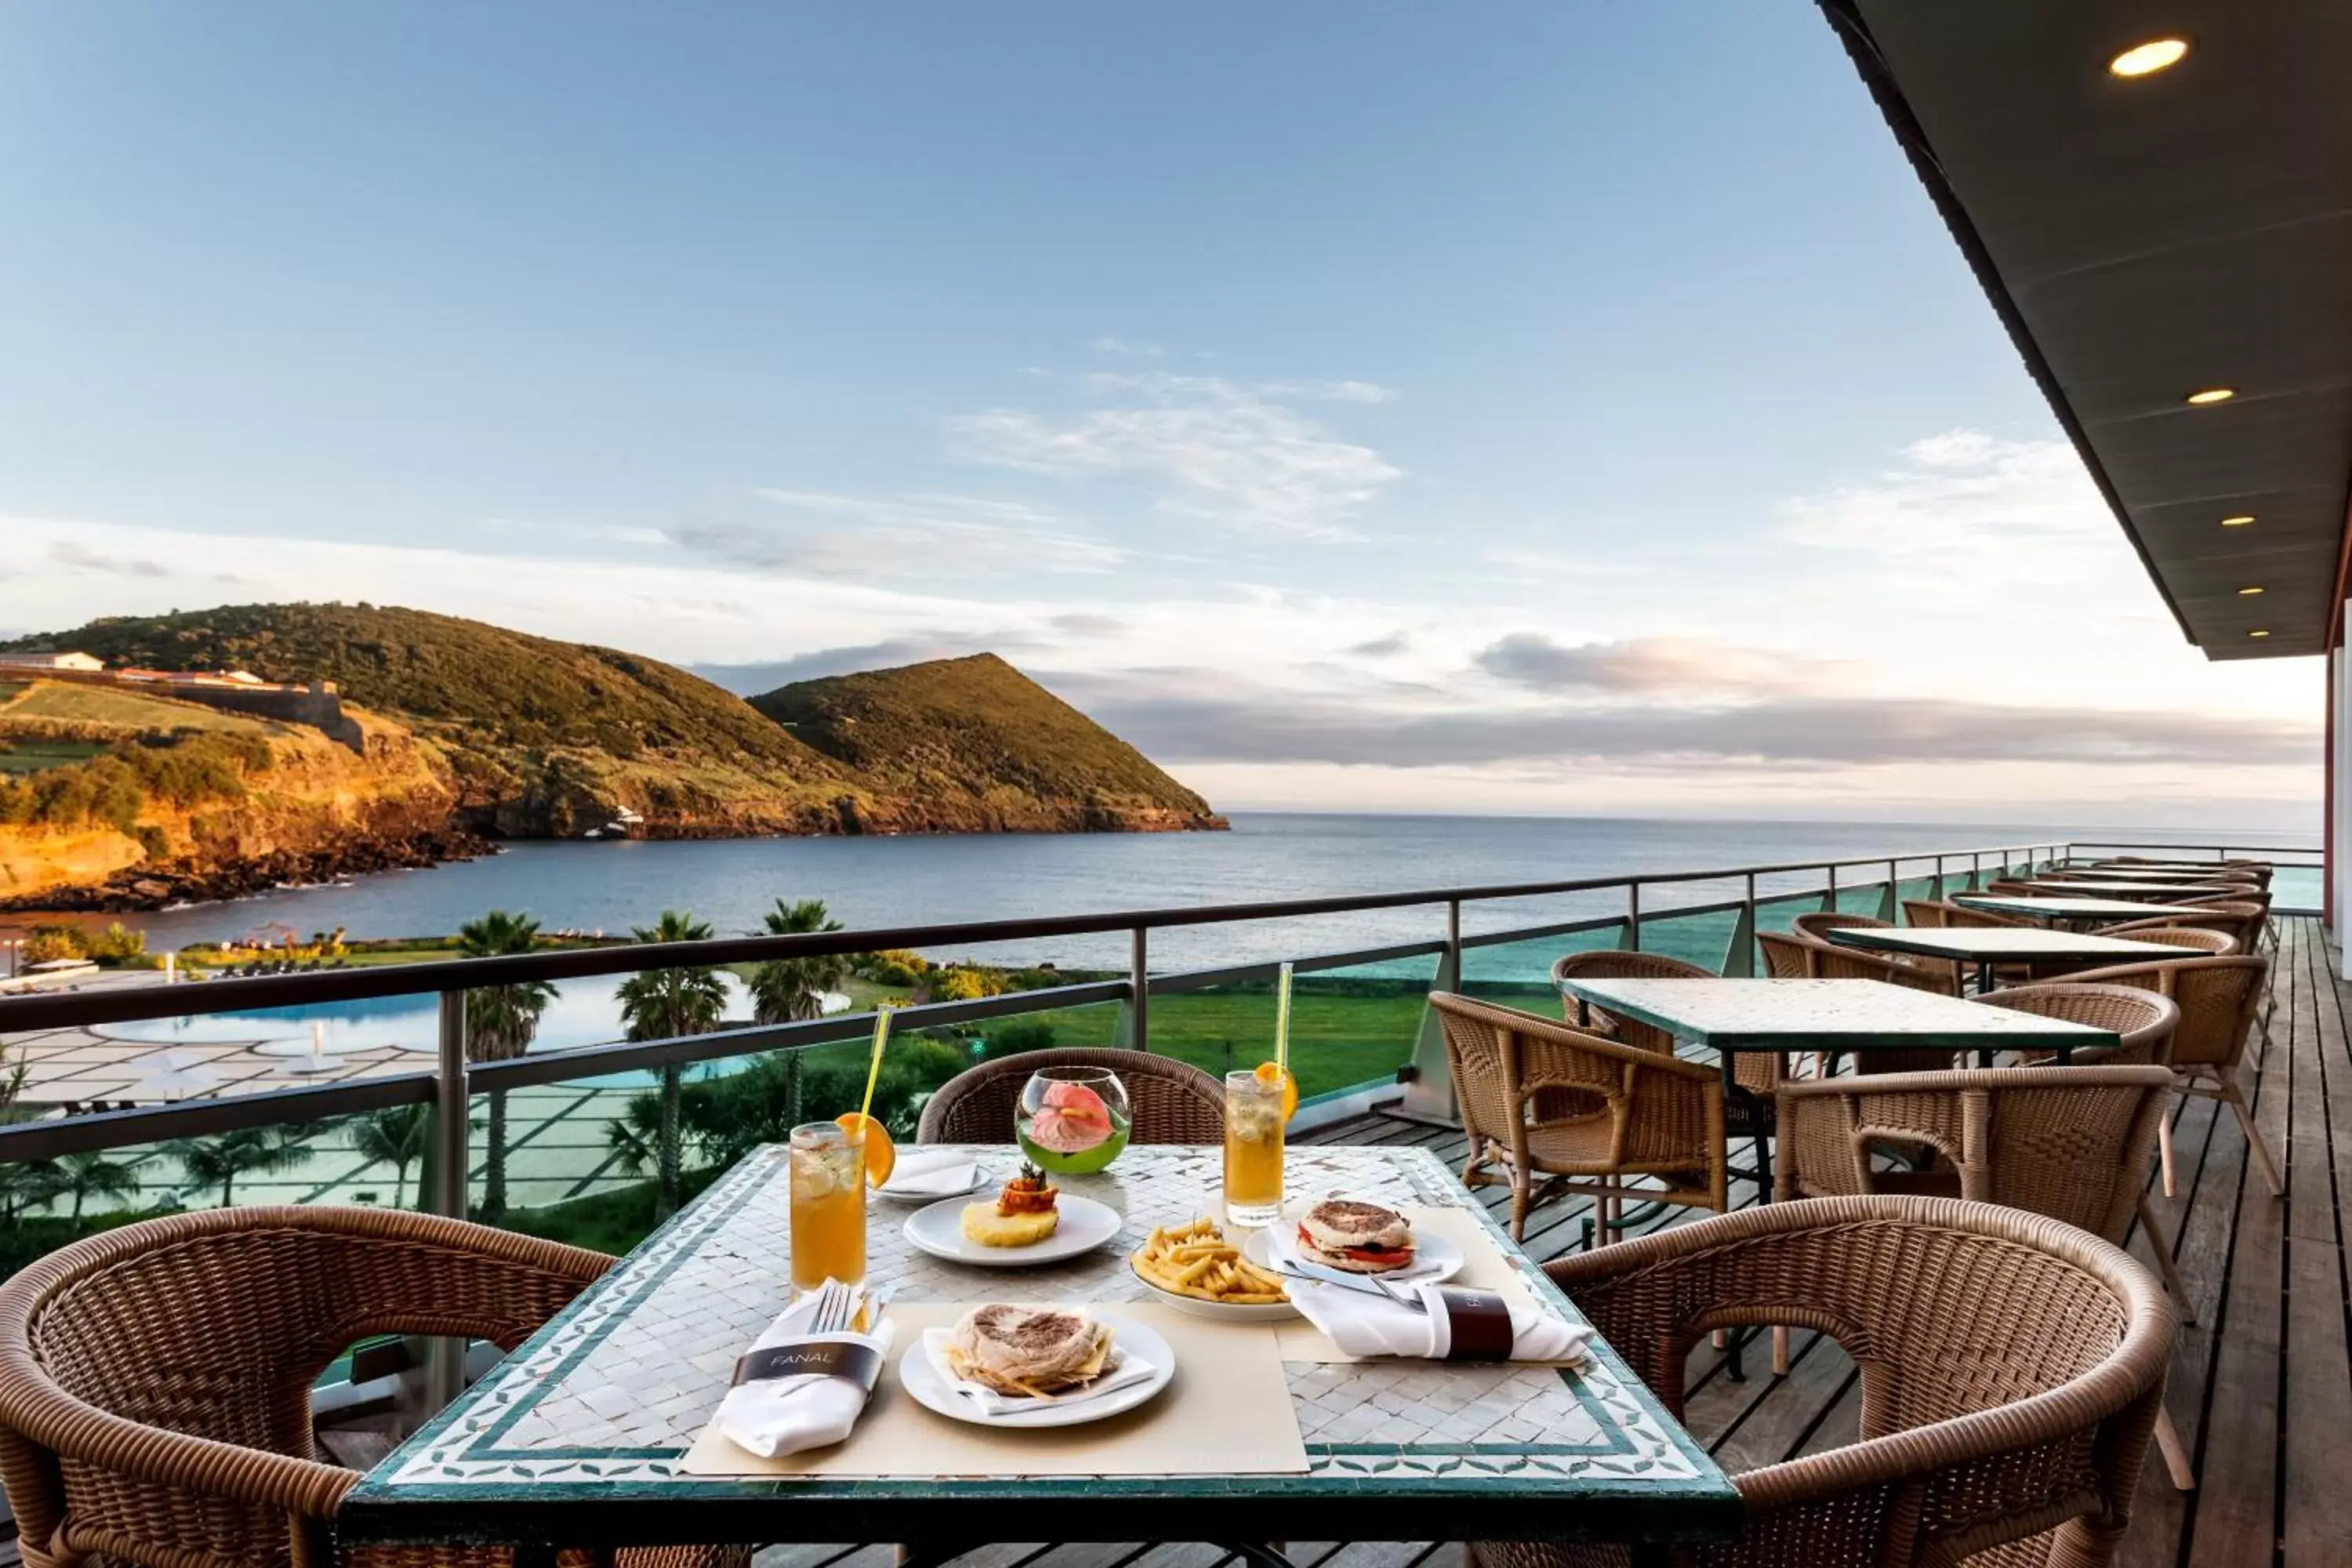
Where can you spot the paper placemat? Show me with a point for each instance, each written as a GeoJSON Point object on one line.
{"type": "Point", "coordinates": [1226, 1413]}
{"type": "Point", "coordinates": [1483, 1268]}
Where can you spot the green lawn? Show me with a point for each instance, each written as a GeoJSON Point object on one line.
{"type": "Point", "coordinates": [129, 711]}
{"type": "Point", "coordinates": [21, 757]}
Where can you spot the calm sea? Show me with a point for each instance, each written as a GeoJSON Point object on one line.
{"type": "Point", "coordinates": [877, 882]}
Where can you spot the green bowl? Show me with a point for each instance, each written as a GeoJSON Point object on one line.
{"type": "Point", "coordinates": [1085, 1161]}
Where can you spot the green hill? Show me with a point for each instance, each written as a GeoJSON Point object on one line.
{"type": "Point", "coordinates": [544, 737]}
{"type": "Point", "coordinates": [975, 739]}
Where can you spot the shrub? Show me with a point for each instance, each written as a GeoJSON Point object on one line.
{"type": "Point", "coordinates": [153, 843]}
{"type": "Point", "coordinates": [45, 944]}
{"type": "Point", "coordinates": [115, 945]}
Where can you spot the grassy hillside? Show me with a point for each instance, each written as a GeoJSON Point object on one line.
{"type": "Point", "coordinates": [545, 736]}
{"type": "Point", "coordinates": [978, 734]}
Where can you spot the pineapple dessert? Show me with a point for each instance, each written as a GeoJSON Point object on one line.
{"type": "Point", "coordinates": [1022, 1215]}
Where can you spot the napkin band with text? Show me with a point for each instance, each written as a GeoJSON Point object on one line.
{"type": "Point", "coordinates": [1480, 1321]}
{"type": "Point", "coordinates": [859, 1363]}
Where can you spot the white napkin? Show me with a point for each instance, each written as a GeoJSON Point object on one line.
{"type": "Point", "coordinates": [1363, 1324]}
{"type": "Point", "coordinates": [932, 1174]}
{"type": "Point", "coordinates": [1131, 1369]}
{"type": "Point", "coordinates": [1282, 1240]}
{"type": "Point", "coordinates": [785, 1415]}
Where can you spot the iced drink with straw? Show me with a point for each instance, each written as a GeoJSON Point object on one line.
{"type": "Point", "coordinates": [829, 1212]}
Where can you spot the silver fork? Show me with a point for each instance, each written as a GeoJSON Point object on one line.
{"type": "Point", "coordinates": [832, 1314]}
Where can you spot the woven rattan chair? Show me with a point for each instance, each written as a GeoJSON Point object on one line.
{"type": "Point", "coordinates": [1169, 1102]}
{"type": "Point", "coordinates": [1651, 1115]}
{"type": "Point", "coordinates": [1818, 923]}
{"type": "Point", "coordinates": [2072, 1146]}
{"type": "Point", "coordinates": [2012, 1367]}
{"type": "Point", "coordinates": [2241, 920]}
{"type": "Point", "coordinates": [2143, 1020]}
{"type": "Point", "coordinates": [155, 1380]}
{"type": "Point", "coordinates": [2218, 998]}
{"type": "Point", "coordinates": [2164, 933]}
{"type": "Point", "coordinates": [1621, 963]}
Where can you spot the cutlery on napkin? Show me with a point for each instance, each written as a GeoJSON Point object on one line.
{"type": "Point", "coordinates": [1437, 1324]}
{"type": "Point", "coordinates": [805, 1381]}
{"type": "Point", "coordinates": [1131, 1370]}
{"type": "Point", "coordinates": [932, 1174]}
{"type": "Point", "coordinates": [1282, 1241]}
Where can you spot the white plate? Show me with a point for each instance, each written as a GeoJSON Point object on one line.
{"type": "Point", "coordinates": [1227, 1311]}
{"type": "Point", "coordinates": [1435, 1258]}
{"type": "Point", "coordinates": [978, 1179]}
{"type": "Point", "coordinates": [923, 1380]}
{"type": "Point", "coordinates": [939, 1230]}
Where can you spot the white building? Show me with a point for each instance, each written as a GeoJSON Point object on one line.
{"type": "Point", "coordinates": [49, 658]}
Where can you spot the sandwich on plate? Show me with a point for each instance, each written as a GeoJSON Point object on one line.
{"type": "Point", "coordinates": [1360, 1237]}
{"type": "Point", "coordinates": [1033, 1351]}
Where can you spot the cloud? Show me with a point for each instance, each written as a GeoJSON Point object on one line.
{"type": "Point", "coordinates": [79, 558]}
{"type": "Point", "coordinates": [1387, 647]}
{"type": "Point", "coordinates": [1654, 666]}
{"type": "Point", "coordinates": [919, 536]}
{"type": "Point", "coordinates": [1232, 455]}
{"type": "Point", "coordinates": [1121, 346]}
{"type": "Point", "coordinates": [1818, 732]}
{"type": "Point", "coordinates": [1084, 624]}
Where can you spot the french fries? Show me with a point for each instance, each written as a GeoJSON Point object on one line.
{"type": "Point", "coordinates": [1196, 1260]}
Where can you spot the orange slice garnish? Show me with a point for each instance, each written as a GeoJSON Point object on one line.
{"type": "Point", "coordinates": [881, 1155]}
{"type": "Point", "coordinates": [1270, 1075]}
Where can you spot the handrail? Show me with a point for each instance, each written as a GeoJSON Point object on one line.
{"type": "Point", "coordinates": [49, 1011]}
{"type": "Point", "coordinates": [452, 979]}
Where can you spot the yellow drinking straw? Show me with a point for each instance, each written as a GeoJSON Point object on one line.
{"type": "Point", "coordinates": [1282, 1021]}
{"type": "Point", "coordinates": [874, 1068]}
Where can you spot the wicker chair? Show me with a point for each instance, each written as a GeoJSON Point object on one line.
{"type": "Point", "coordinates": [2143, 1020]}
{"type": "Point", "coordinates": [2072, 1145]}
{"type": "Point", "coordinates": [1621, 963]}
{"type": "Point", "coordinates": [2012, 1368]}
{"type": "Point", "coordinates": [1817, 923]}
{"type": "Point", "coordinates": [155, 1380]}
{"type": "Point", "coordinates": [1169, 1102]}
{"type": "Point", "coordinates": [1652, 1115]}
{"type": "Point", "coordinates": [2218, 998]}
{"type": "Point", "coordinates": [2241, 920]}
{"type": "Point", "coordinates": [2164, 933]}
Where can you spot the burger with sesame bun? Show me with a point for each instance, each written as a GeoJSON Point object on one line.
{"type": "Point", "coordinates": [1359, 1238]}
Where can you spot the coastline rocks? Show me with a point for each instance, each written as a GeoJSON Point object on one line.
{"type": "Point", "coordinates": [154, 887]}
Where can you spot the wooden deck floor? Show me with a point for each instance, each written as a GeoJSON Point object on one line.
{"type": "Point", "coordinates": [2262, 1388]}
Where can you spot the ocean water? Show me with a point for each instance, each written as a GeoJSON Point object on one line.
{"type": "Point", "coordinates": [878, 882]}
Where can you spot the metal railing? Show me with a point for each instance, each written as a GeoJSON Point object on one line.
{"type": "Point", "coordinates": [449, 1087]}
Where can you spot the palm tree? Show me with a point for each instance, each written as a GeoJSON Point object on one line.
{"type": "Point", "coordinates": [91, 1173]}
{"type": "Point", "coordinates": [500, 1023]}
{"type": "Point", "coordinates": [397, 1136]}
{"type": "Point", "coordinates": [791, 990]}
{"type": "Point", "coordinates": [268, 1150]}
{"type": "Point", "coordinates": [661, 1005]}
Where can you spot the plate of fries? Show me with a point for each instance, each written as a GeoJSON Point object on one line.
{"type": "Point", "coordinates": [1195, 1269]}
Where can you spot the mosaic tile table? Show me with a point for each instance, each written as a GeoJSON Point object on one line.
{"type": "Point", "coordinates": [1988, 946]}
{"type": "Point", "coordinates": [2071, 910]}
{"type": "Point", "coordinates": [574, 1441]}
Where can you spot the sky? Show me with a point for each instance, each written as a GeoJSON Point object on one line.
{"type": "Point", "coordinates": [1536, 409]}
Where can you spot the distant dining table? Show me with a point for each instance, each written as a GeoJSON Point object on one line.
{"type": "Point", "coordinates": [1988, 947]}
{"type": "Point", "coordinates": [2074, 911]}
{"type": "Point", "coordinates": [2145, 873]}
{"type": "Point", "coordinates": [2128, 888]}
{"type": "Point", "coordinates": [597, 1432]}
{"type": "Point", "coordinates": [1732, 1015]}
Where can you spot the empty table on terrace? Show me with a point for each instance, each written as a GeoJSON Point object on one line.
{"type": "Point", "coordinates": [2147, 873]}
{"type": "Point", "coordinates": [2071, 910]}
{"type": "Point", "coordinates": [1985, 946]}
{"type": "Point", "coordinates": [1860, 1015]}
{"type": "Point", "coordinates": [2149, 892]}
{"type": "Point", "coordinates": [581, 1438]}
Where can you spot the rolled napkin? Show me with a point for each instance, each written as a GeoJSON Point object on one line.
{"type": "Point", "coordinates": [932, 1174]}
{"type": "Point", "coordinates": [1363, 1324]}
{"type": "Point", "coordinates": [1131, 1369]}
{"type": "Point", "coordinates": [796, 1390]}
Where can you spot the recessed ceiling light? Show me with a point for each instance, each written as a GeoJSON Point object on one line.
{"type": "Point", "coordinates": [2210, 395]}
{"type": "Point", "coordinates": [2148, 58]}
{"type": "Point", "coordinates": [2250, 591]}
{"type": "Point", "coordinates": [2258, 633]}
{"type": "Point", "coordinates": [2240, 521]}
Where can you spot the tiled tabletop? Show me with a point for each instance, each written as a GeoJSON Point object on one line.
{"type": "Point", "coordinates": [575, 1439]}
{"type": "Point", "coordinates": [2071, 908]}
{"type": "Point", "coordinates": [2001, 945]}
{"type": "Point", "coordinates": [1826, 1014]}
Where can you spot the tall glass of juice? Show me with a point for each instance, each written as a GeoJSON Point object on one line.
{"type": "Point", "coordinates": [828, 1179]}
{"type": "Point", "coordinates": [1252, 1149]}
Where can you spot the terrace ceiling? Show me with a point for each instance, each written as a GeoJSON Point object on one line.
{"type": "Point", "coordinates": [2147, 237]}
